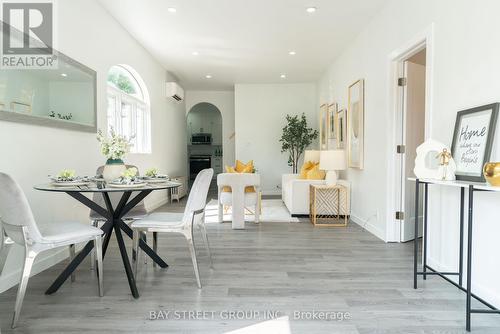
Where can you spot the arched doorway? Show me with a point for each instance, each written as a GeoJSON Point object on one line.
{"type": "Point", "coordinates": [204, 130]}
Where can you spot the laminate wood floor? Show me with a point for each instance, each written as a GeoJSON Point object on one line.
{"type": "Point", "coordinates": [270, 267]}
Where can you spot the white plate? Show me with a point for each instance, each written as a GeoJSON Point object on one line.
{"type": "Point", "coordinates": [69, 183]}
{"type": "Point", "coordinates": [122, 185]}
{"type": "Point", "coordinates": [156, 180]}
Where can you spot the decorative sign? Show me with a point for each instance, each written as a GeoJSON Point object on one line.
{"type": "Point", "coordinates": [472, 141]}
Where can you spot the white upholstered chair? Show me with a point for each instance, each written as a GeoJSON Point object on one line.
{"type": "Point", "coordinates": [238, 199]}
{"type": "Point", "coordinates": [183, 223]}
{"type": "Point", "coordinates": [20, 225]}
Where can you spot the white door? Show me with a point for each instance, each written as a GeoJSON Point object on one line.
{"type": "Point", "coordinates": [413, 134]}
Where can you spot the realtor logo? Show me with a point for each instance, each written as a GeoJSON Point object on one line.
{"type": "Point", "coordinates": [28, 35]}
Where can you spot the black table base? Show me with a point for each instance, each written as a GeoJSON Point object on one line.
{"type": "Point", "coordinates": [468, 289]}
{"type": "Point", "coordinates": [114, 223]}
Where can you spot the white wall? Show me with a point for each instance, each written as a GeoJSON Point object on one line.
{"type": "Point", "coordinates": [465, 61]}
{"type": "Point", "coordinates": [259, 120]}
{"type": "Point", "coordinates": [30, 153]}
{"type": "Point", "coordinates": [224, 101]}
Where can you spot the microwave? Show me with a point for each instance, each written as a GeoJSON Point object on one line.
{"type": "Point", "coordinates": [201, 139]}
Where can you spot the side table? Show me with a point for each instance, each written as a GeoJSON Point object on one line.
{"type": "Point", "coordinates": [328, 205]}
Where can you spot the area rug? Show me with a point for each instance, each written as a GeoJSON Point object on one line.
{"type": "Point", "coordinates": [273, 210]}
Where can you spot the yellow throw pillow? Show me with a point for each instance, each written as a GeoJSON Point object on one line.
{"type": "Point", "coordinates": [240, 166]}
{"type": "Point", "coordinates": [315, 173]}
{"type": "Point", "coordinates": [247, 169]}
{"type": "Point", "coordinates": [306, 167]}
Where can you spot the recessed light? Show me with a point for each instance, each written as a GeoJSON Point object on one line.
{"type": "Point", "coordinates": [172, 10]}
{"type": "Point", "coordinates": [195, 53]}
{"type": "Point", "coordinates": [311, 9]}
{"type": "Point", "coordinates": [283, 76]}
{"type": "Point", "coordinates": [208, 76]}
{"type": "Point", "coordinates": [64, 75]}
{"type": "Point", "coordinates": [292, 53]}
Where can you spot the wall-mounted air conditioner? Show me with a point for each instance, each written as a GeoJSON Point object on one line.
{"type": "Point", "coordinates": [175, 91]}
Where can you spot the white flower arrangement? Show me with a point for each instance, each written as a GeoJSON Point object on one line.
{"type": "Point", "coordinates": [116, 146]}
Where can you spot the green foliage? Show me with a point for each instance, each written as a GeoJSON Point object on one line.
{"type": "Point", "coordinates": [296, 138]}
{"type": "Point", "coordinates": [122, 82]}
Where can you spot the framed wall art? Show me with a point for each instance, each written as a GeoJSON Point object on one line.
{"type": "Point", "coordinates": [472, 141]}
{"type": "Point", "coordinates": [356, 124]}
{"type": "Point", "coordinates": [332, 126]}
{"type": "Point", "coordinates": [323, 126]}
{"type": "Point", "coordinates": [341, 128]}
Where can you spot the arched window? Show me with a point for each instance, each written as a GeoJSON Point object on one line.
{"type": "Point", "coordinates": [128, 107]}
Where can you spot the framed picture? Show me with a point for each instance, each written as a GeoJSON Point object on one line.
{"type": "Point", "coordinates": [341, 128]}
{"type": "Point", "coordinates": [472, 141]}
{"type": "Point", "coordinates": [332, 126]}
{"type": "Point", "coordinates": [356, 124]}
{"type": "Point", "coordinates": [323, 126]}
{"type": "Point", "coordinates": [332, 121]}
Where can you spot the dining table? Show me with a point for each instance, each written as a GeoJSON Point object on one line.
{"type": "Point", "coordinates": [114, 222]}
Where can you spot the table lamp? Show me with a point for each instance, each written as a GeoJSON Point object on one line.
{"type": "Point", "coordinates": [331, 161]}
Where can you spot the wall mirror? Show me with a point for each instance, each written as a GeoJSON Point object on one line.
{"type": "Point", "coordinates": [63, 97]}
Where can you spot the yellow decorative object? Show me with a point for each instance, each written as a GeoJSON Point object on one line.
{"type": "Point", "coordinates": [491, 172]}
{"type": "Point", "coordinates": [315, 173]}
{"type": "Point", "coordinates": [306, 167]}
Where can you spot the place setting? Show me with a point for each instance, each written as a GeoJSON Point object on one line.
{"type": "Point", "coordinates": [68, 178]}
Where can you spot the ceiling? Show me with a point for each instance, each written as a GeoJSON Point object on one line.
{"type": "Point", "coordinates": [242, 41]}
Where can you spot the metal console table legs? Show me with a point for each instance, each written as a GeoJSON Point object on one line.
{"type": "Point", "coordinates": [468, 289]}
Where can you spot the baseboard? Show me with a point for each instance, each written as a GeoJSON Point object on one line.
{"type": "Point", "coordinates": [271, 192]}
{"type": "Point", "coordinates": [365, 223]}
{"type": "Point", "coordinates": [479, 290]}
{"type": "Point", "coordinates": [11, 279]}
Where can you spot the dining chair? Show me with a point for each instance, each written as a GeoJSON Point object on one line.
{"type": "Point", "coordinates": [20, 225]}
{"type": "Point", "coordinates": [5, 246]}
{"type": "Point", "coordinates": [138, 212]}
{"type": "Point", "coordinates": [183, 223]}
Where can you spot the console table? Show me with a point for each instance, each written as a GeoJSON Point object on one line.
{"type": "Point", "coordinates": [462, 185]}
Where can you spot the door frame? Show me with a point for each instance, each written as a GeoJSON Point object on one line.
{"type": "Point", "coordinates": [424, 39]}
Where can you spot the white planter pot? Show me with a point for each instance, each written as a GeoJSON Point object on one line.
{"type": "Point", "coordinates": [113, 170]}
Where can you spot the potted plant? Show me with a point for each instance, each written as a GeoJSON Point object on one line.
{"type": "Point", "coordinates": [114, 148]}
{"type": "Point", "coordinates": [296, 138]}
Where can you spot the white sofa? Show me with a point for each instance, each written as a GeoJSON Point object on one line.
{"type": "Point", "coordinates": [295, 193]}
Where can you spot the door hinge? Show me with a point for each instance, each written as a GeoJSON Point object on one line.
{"type": "Point", "coordinates": [402, 82]}
{"type": "Point", "coordinates": [400, 149]}
{"type": "Point", "coordinates": [400, 215]}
